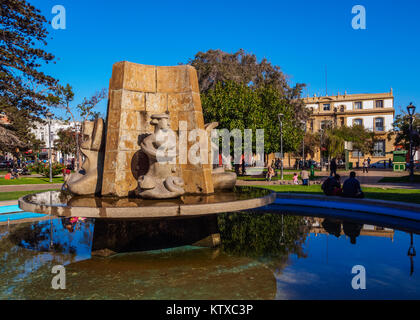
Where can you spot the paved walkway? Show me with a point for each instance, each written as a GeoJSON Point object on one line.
{"type": "Point", "coordinates": [29, 187]}
{"type": "Point", "coordinates": [8, 203]}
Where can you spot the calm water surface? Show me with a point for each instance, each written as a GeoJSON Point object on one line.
{"type": "Point", "coordinates": [278, 253]}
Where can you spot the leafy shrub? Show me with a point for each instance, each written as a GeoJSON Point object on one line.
{"type": "Point", "coordinates": [57, 169]}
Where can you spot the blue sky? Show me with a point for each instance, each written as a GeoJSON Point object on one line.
{"type": "Point", "coordinates": [302, 37]}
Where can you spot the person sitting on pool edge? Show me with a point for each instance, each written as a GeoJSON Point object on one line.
{"type": "Point", "coordinates": [332, 186]}
{"type": "Point", "coordinates": [351, 187]}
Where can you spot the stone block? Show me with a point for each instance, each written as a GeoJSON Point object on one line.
{"type": "Point", "coordinates": [130, 120]}
{"type": "Point", "coordinates": [194, 119]}
{"type": "Point", "coordinates": [132, 100]}
{"type": "Point", "coordinates": [128, 140]}
{"type": "Point", "coordinates": [177, 79]}
{"type": "Point", "coordinates": [197, 181]}
{"type": "Point", "coordinates": [156, 102]}
{"type": "Point", "coordinates": [124, 183]}
{"type": "Point", "coordinates": [133, 76]}
{"type": "Point", "coordinates": [111, 164]}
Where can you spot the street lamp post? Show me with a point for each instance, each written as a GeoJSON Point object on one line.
{"type": "Point", "coordinates": [303, 143]}
{"type": "Point", "coordinates": [77, 147]}
{"type": "Point", "coordinates": [320, 149]}
{"type": "Point", "coordinates": [411, 109]}
{"type": "Point", "coordinates": [280, 115]}
{"type": "Point", "coordinates": [49, 115]}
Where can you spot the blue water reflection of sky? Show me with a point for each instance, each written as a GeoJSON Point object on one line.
{"type": "Point", "coordinates": [326, 272]}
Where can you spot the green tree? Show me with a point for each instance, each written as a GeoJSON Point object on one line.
{"type": "Point", "coordinates": [238, 106]}
{"type": "Point", "coordinates": [66, 142]}
{"type": "Point", "coordinates": [239, 92]}
{"type": "Point", "coordinates": [24, 88]}
{"type": "Point", "coordinates": [363, 139]}
{"type": "Point", "coordinates": [402, 131]}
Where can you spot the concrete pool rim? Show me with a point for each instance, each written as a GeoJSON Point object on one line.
{"type": "Point", "coordinates": [403, 210]}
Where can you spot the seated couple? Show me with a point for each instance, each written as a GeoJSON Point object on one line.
{"type": "Point", "coordinates": [351, 187]}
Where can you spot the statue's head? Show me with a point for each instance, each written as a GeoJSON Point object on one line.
{"type": "Point", "coordinates": [160, 121]}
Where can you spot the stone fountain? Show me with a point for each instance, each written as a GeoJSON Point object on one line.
{"type": "Point", "coordinates": [123, 177]}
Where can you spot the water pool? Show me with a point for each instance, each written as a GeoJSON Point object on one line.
{"type": "Point", "coordinates": [277, 252]}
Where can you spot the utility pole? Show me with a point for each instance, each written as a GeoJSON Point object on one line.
{"type": "Point", "coordinates": [280, 115]}
{"type": "Point", "coordinates": [303, 144]}
{"type": "Point", "coordinates": [49, 115]}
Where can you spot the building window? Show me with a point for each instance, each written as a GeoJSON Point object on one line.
{"type": "Point", "coordinates": [327, 107]}
{"type": "Point", "coordinates": [358, 105]}
{"type": "Point", "coordinates": [379, 124]}
{"type": "Point", "coordinates": [358, 122]}
{"type": "Point", "coordinates": [341, 121]}
{"type": "Point", "coordinates": [325, 124]}
{"type": "Point", "coordinates": [357, 154]}
{"type": "Point", "coordinates": [379, 148]}
{"type": "Point", "coordinates": [379, 103]}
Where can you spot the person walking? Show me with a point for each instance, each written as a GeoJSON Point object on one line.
{"type": "Point", "coordinates": [270, 173]}
{"type": "Point", "coordinates": [333, 167]}
{"type": "Point", "coordinates": [295, 178]}
{"type": "Point", "coordinates": [304, 175]}
{"type": "Point", "coordinates": [365, 166]}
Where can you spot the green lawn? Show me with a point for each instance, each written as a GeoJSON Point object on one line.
{"type": "Point", "coordinates": [29, 180]}
{"type": "Point", "coordinates": [259, 178]}
{"type": "Point", "coordinates": [275, 178]}
{"type": "Point", "coordinates": [403, 195]}
{"type": "Point", "coordinates": [17, 194]}
{"type": "Point", "coordinates": [403, 179]}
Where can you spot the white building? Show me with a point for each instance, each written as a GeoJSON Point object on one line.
{"type": "Point", "coordinates": [41, 133]}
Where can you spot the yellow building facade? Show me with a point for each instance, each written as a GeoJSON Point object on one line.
{"type": "Point", "coordinates": [374, 111]}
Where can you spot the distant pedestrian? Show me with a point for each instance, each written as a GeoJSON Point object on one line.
{"type": "Point", "coordinates": [333, 167]}
{"type": "Point", "coordinates": [295, 178]}
{"type": "Point", "coordinates": [365, 166]}
{"type": "Point", "coordinates": [390, 163]}
{"type": "Point", "coordinates": [368, 160]}
{"type": "Point", "coordinates": [304, 175]}
{"type": "Point", "coordinates": [270, 173]}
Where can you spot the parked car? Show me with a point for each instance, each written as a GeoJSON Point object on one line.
{"type": "Point", "coordinates": [5, 164]}
{"type": "Point", "coordinates": [416, 165]}
{"type": "Point", "coordinates": [382, 164]}
{"type": "Point", "coordinates": [314, 163]}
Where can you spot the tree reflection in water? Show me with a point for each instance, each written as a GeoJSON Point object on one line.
{"type": "Point", "coordinates": [263, 236]}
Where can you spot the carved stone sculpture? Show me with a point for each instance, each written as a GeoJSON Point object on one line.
{"type": "Point", "coordinates": [88, 181]}
{"type": "Point", "coordinates": [160, 181]}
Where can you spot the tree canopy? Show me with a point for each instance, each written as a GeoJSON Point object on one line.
{"type": "Point", "coordinates": [241, 93]}
{"type": "Point", "coordinates": [363, 139]}
{"type": "Point", "coordinates": [24, 88]}
{"type": "Point", "coordinates": [402, 131]}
